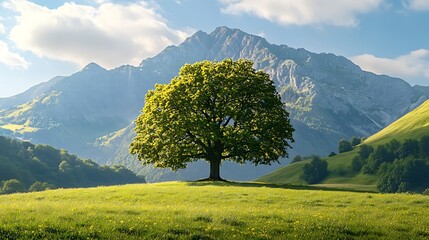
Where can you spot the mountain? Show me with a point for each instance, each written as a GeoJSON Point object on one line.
{"type": "Point", "coordinates": [73, 111]}
{"type": "Point", "coordinates": [90, 113]}
{"type": "Point", "coordinates": [412, 126]}
{"type": "Point", "coordinates": [28, 95]}
{"type": "Point", "coordinates": [29, 164]}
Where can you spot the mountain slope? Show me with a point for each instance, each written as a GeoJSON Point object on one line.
{"type": "Point", "coordinates": [413, 125]}
{"type": "Point", "coordinates": [328, 96]}
{"type": "Point", "coordinates": [73, 111]}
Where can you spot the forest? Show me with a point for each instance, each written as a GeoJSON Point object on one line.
{"type": "Point", "coordinates": [33, 167]}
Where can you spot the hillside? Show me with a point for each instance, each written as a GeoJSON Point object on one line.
{"type": "Point", "coordinates": [188, 210]}
{"type": "Point", "coordinates": [328, 98]}
{"type": "Point", "coordinates": [29, 164]}
{"type": "Point", "coordinates": [412, 126]}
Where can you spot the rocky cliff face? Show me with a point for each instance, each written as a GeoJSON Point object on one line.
{"type": "Point", "coordinates": [328, 96]}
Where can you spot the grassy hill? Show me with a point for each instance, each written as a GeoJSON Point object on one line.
{"type": "Point", "coordinates": [413, 125]}
{"type": "Point", "coordinates": [340, 174]}
{"type": "Point", "coordinates": [204, 210]}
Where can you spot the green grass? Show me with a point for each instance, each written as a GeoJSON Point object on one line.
{"type": "Point", "coordinates": [180, 210]}
{"type": "Point", "coordinates": [340, 174]}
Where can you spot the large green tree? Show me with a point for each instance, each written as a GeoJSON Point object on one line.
{"type": "Point", "coordinates": [214, 111]}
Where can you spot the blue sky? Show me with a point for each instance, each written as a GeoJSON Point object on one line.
{"type": "Point", "coordinates": [43, 39]}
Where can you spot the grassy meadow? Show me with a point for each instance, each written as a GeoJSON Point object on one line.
{"type": "Point", "coordinates": [206, 210]}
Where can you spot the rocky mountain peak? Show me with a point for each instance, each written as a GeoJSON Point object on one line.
{"type": "Point", "coordinates": [93, 67]}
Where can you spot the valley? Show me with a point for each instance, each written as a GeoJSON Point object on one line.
{"type": "Point", "coordinates": [216, 119]}
{"type": "Point", "coordinates": [91, 112]}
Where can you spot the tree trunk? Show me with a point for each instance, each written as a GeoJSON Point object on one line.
{"type": "Point", "coordinates": [215, 170]}
{"type": "Point", "coordinates": [215, 158]}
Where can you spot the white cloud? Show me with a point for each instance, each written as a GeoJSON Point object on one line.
{"type": "Point", "coordinates": [418, 5]}
{"type": "Point", "coordinates": [413, 67]}
{"type": "Point", "coordinates": [303, 12]}
{"type": "Point", "coordinates": [11, 59]}
{"type": "Point", "coordinates": [2, 28]}
{"type": "Point", "coordinates": [109, 34]}
{"type": "Point", "coordinates": [101, 1]}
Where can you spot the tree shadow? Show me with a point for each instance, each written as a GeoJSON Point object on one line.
{"type": "Point", "coordinates": [226, 183]}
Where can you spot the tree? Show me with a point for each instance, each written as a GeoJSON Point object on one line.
{"type": "Point", "coordinates": [315, 171]}
{"type": "Point", "coordinates": [332, 154]}
{"type": "Point", "coordinates": [354, 141]}
{"type": "Point", "coordinates": [379, 156]}
{"type": "Point", "coordinates": [40, 186]}
{"type": "Point", "coordinates": [393, 147]}
{"type": "Point", "coordinates": [344, 146]}
{"type": "Point", "coordinates": [424, 147]}
{"type": "Point", "coordinates": [12, 186]}
{"type": "Point", "coordinates": [410, 147]}
{"type": "Point", "coordinates": [297, 158]}
{"type": "Point", "coordinates": [214, 111]}
{"type": "Point", "coordinates": [403, 175]}
{"type": "Point", "coordinates": [365, 151]}
{"type": "Point", "coordinates": [357, 164]}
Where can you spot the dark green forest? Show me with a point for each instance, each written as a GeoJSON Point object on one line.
{"type": "Point", "coordinates": [400, 166]}
{"type": "Point", "coordinates": [28, 167]}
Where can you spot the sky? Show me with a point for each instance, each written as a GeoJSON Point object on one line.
{"type": "Point", "coordinates": [41, 39]}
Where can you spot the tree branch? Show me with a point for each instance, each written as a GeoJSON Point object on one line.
{"type": "Point", "coordinates": [197, 140]}
{"type": "Point", "coordinates": [227, 121]}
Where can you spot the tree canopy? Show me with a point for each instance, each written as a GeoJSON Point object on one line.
{"type": "Point", "coordinates": [214, 111]}
{"type": "Point", "coordinates": [344, 146]}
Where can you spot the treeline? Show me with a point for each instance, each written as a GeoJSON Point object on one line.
{"type": "Point", "coordinates": [400, 166]}
{"type": "Point", "coordinates": [28, 167]}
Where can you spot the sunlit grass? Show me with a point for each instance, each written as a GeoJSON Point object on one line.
{"type": "Point", "coordinates": [19, 128]}
{"type": "Point", "coordinates": [413, 125]}
{"type": "Point", "coordinates": [340, 174]}
{"type": "Point", "coordinates": [212, 211]}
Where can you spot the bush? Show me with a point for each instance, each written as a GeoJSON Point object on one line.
{"type": "Point", "coordinates": [39, 186]}
{"type": "Point", "coordinates": [332, 154]}
{"type": "Point", "coordinates": [426, 192]}
{"type": "Point", "coordinates": [12, 186]}
{"type": "Point", "coordinates": [315, 171]}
